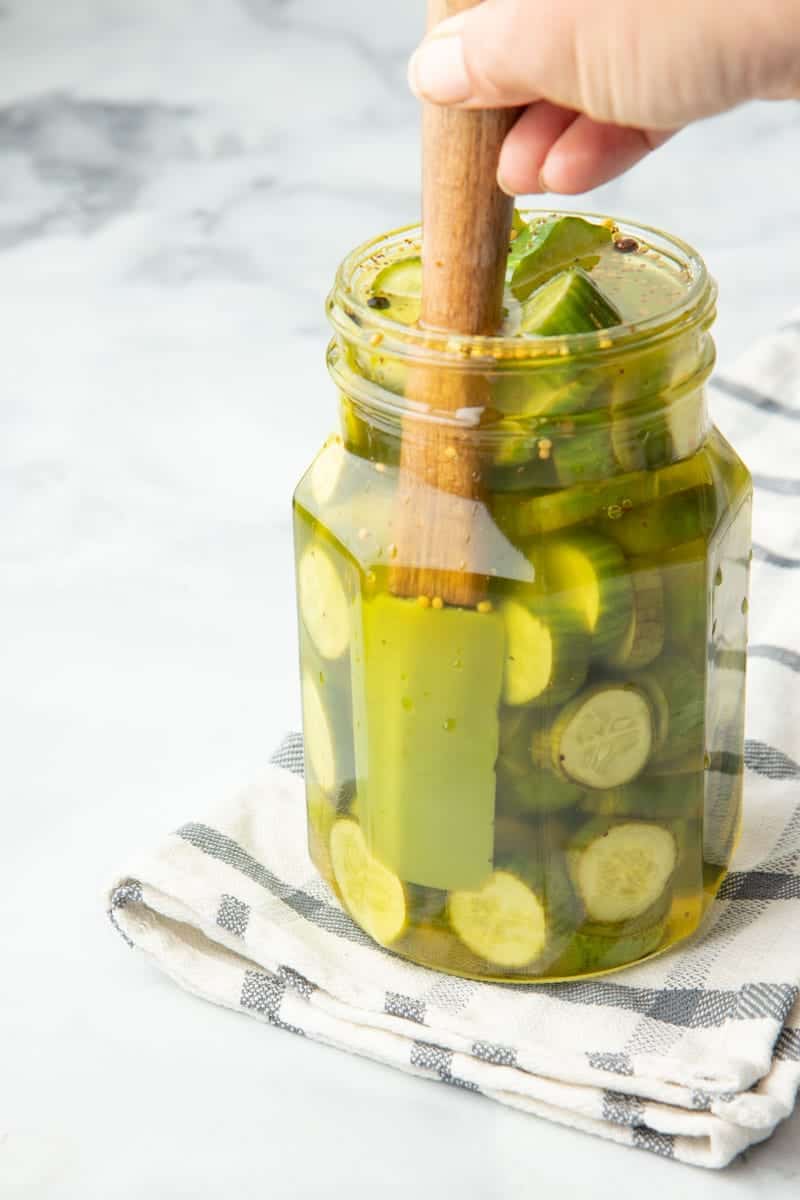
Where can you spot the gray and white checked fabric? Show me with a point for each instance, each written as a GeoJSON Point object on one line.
{"type": "Point", "coordinates": [693, 1056]}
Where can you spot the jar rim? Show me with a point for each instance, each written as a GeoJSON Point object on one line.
{"type": "Point", "coordinates": [354, 319]}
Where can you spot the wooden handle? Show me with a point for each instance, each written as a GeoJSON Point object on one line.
{"type": "Point", "coordinates": [466, 219]}
{"type": "Point", "coordinates": [466, 229]}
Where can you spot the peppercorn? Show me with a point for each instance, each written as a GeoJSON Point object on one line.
{"type": "Point", "coordinates": [378, 302]}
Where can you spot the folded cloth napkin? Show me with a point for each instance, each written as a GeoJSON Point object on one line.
{"type": "Point", "coordinates": [694, 1055]}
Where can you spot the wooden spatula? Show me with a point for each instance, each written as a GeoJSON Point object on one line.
{"type": "Point", "coordinates": [466, 229]}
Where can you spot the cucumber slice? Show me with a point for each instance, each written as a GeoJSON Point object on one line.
{"type": "Point", "coordinates": [644, 638]}
{"type": "Point", "coordinates": [526, 910]}
{"type": "Point", "coordinates": [522, 790]}
{"type": "Point", "coordinates": [611, 502]}
{"type": "Point", "coordinates": [324, 607]}
{"type": "Point", "coordinates": [601, 739]}
{"type": "Point", "coordinates": [583, 454]}
{"type": "Point", "coordinates": [388, 371]}
{"type": "Point", "coordinates": [504, 922]}
{"type": "Point", "coordinates": [659, 705]}
{"type": "Point", "coordinates": [588, 953]}
{"type": "Point", "coordinates": [515, 463]}
{"type": "Point", "coordinates": [320, 750]}
{"type": "Point", "coordinates": [590, 575]}
{"type": "Point", "coordinates": [535, 793]}
{"type": "Point", "coordinates": [675, 685]}
{"type": "Point", "coordinates": [547, 653]}
{"type": "Point", "coordinates": [662, 797]}
{"type": "Point", "coordinates": [401, 284]}
{"type": "Point", "coordinates": [600, 946]}
{"type": "Point", "coordinates": [623, 870]}
{"type": "Point", "coordinates": [532, 847]}
{"type": "Point", "coordinates": [569, 303]}
{"type": "Point", "coordinates": [327, 471]}
{"type": "Point", "coordinates": [664, 430]}
{"type": "Point", "coordinates": [550, 389]}
{"type": "Point", "coordinates": [668, 522]}
{"type": "Point", "coordinates": [372, 894]}
{"type": "Point", "coordinates": [550, 247]}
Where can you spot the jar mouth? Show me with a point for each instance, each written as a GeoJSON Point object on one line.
{"type": "Point", "coordinates": [353, 319]}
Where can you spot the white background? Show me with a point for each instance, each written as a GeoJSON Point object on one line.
{"type": "Point", "coordinates": [177, 184]}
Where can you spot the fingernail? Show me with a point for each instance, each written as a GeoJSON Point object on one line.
{"type": "Point", "coordinates": [437, 71]}
{"type": "Point", "coordinates": [505, 187]}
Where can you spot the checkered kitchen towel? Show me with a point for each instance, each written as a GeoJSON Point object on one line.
{"type": "Point", "coordinates": [694, 1055]}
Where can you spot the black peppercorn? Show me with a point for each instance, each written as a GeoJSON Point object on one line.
{"type": "Point", "coordinates": [378, 302]}
{"type": "Point", "coordinates": [626, 245]}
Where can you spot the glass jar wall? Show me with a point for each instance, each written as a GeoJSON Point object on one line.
{"type": "Point", "coordinates": [523, 625]}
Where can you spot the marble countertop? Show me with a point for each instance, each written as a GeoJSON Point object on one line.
{"type": "Point", "coordinates": [177, 184]}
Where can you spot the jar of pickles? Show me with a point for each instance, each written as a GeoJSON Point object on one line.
{"type": "Point", "coordinates": [543, 782]}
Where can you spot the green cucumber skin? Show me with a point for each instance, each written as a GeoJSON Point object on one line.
{"type": "Point", "coordinates": [569, 303]}
{"type": "Point", "coordinates": [545, 872]}
{"type": "Point", "coordinates": [648, 798]}
{"type": "Point", "coordinates": [611, 569]}
{"type": "Point", "coordinates": [552, 246]}
{"type": "Point", "coordinates": [587, 954]}
{"type": "Point", "coordinates": [571, 647]}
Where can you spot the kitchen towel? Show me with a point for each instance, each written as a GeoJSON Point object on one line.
{"type": "Point", "coordinates": [693, 1056]}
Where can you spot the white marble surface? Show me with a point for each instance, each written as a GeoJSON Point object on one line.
{"type": "Point", "coordinates": [177, 183]}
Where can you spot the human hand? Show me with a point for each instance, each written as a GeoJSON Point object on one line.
{"type": "Point", "coordinates": [604, 82]}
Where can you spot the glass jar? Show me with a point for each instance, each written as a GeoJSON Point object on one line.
{"type": "Point", "coordinates": [542, 781]}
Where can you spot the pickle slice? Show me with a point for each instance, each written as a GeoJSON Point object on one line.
{"type": "Point", "coordinates": [668, 522]}
{"type": "Point", "coordinates": [653, 797]}
{"type": "Point", "coordinates": [589, 573]}
{"type": "Point", "coordinates": [588, 952]}
{"type": "Point", "coordinates": [515, 461]}
{"type": "Point", "coordinates": [401, 284]}
{"type": "Point", "coordinates": [323, 602]}
{"type": "Point", "coordinates": [610, 501]}
{"type": "Point", "coordinates": [372, 894]}
{"type": "Point", "coordinates": [328, 471]}
{"type": "Point", "coordinates": [643, 640]}
{"type": "Point", "coordinates": [568, 303]}
{"type": "Point", "coordinates": [535, 793]}
{"type": "Point", "coordinates": [676, 687]}
{"type": "Point", "coordinates": [622, 870]}
{"type": "Point", "coordinates": [550, 247]}
{"type": "Point", "coordinates": [547, 653]}
{"type": "Point", "coordinates": [601, 739]}
{"type": "Point", "coordinates": [522, 790]}
{"type": "Point", "coordinates": [600, 946]}
{"type": "Point", "coordinates": [584, 453]}
{"type": "Point", "coordinates": [503, 922]}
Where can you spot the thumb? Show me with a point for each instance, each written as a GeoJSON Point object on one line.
{"type": "Point", "coordinates": [481, 58]}
{"type": "Point", "coordinates": [617, 62]}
